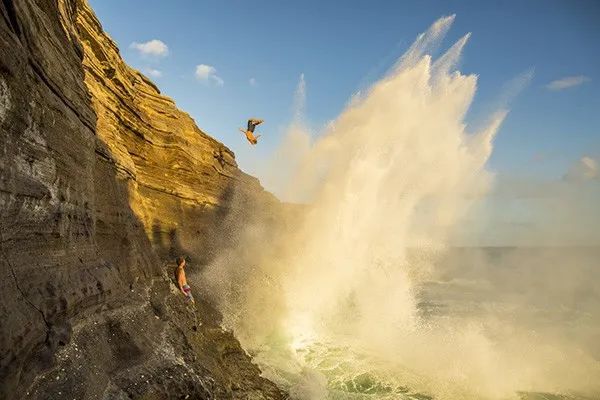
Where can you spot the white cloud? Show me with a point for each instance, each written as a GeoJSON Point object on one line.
{"type": "Point", "coordinates": [585, 169]}
{"type": "Point", "coordinates": [208, 73]}
{"type": "Point", "coordinates": [155, 73]}
{"type": "Point", "coordinates": [589, 167]}
{"type": "Point", "coordinates": [253, 82]}
{"type": "Point", "coordinates": [567, 82]}
{"type": "Point", "coordinates": [153, 48]}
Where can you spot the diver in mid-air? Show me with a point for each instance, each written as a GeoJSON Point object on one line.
{"type": "Point", "coordinates": [249, 132]}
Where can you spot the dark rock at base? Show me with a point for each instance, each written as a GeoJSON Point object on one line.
{"type": "Point", "coordinates": [131, 352]}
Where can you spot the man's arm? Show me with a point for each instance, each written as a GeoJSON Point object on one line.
{"type": "Point", "coordinates": [180, 280]}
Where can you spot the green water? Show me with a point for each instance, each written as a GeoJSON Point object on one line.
{"type": "Point", "coordinates": [551, 301]}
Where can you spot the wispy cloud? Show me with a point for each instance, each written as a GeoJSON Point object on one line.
{"type": "Point", "coordinates": [153, 48]}
{"type": "Point", "coordinates": [515, 86]}
{"type": "Point", "coordinates": [585, 169]}
{"type": "Point", "coordinates": [155, 73]}
{"type": "Point", "coordinates": [567, 82]}
{"type": "Point", "coordinates": [208, 73]}
{"type": "Point", "coordinates": [253, 82]}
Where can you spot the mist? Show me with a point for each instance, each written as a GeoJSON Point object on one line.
{"type": "Point", "coordinates": [360, 292]}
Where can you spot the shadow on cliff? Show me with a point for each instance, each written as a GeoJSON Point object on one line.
{"type": "Point", "coordinates": [165, 241]}
{"type": "Point", "coordinates": [70, 244]}
{"type": "Point", "coordinates": [203, 232]}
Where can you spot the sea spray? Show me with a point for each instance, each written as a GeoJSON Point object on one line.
{"type": "Point", "coordinates": [330, 305]}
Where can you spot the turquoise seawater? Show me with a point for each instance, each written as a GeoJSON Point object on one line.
{"type": "Point", "coordinates": [550, 294]}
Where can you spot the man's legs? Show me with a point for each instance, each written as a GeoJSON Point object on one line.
{"type": "Point", "coordinates": [188, 293]}
{"type": "Point", "coordinates": [253, 123]}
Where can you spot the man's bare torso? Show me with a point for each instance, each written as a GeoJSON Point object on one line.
{"type": "Point", "coordinates": [180, 276]}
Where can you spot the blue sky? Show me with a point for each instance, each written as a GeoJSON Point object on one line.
{"type": "Point", "coordinates": [342, 47]}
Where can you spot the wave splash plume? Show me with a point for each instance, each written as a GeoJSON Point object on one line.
{"type": "Point", "coordinates": [331, 308]}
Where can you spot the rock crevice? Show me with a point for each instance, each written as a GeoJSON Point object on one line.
{"type": "Point", "coordinates": [23, 295]}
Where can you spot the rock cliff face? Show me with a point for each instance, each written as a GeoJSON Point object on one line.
{"type": "Point", "coordinates": [102, 179]}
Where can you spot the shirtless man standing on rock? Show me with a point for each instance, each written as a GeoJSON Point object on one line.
{"type": "Point", "coordinates": [182, 281]}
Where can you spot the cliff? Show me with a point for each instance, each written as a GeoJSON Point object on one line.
{"type": "Point", "coordinates": [102, 182]}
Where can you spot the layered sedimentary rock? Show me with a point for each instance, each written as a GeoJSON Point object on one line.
{"type": "Point", "coordinates": [175, 172]}
{"type": "Point", "coordinates": [101, 179]}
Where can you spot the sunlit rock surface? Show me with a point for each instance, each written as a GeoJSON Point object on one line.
{"type": "Point", "coordinates": [102, 179]}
